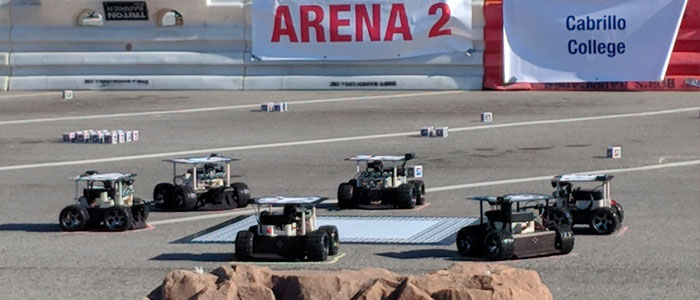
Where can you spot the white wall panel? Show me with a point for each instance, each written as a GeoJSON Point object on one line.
{"type": "Point", "coordinates": [45, 49]}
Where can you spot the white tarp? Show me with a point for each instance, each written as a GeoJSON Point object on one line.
{"type": "Point", "coordinates": [589, 40]}
{"type": "Point", "coordinates": [359, 29]}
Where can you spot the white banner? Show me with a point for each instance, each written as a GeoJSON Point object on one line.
{"type": "Point", "coordinates": [359, 29]}
{"type": "Point", "coordinates": [588, 40]}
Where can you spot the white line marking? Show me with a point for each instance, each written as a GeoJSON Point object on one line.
{"type": "Point", "coordinates": [57, 94]}
{"type": "Point", "coordinates": [236, 212]}
{"type": "Point", "coordinates": [207, 109]}
{"type": "Point", "coordinates": [447, 188]}
{"type": "Point", "coordinates": [330, 140]}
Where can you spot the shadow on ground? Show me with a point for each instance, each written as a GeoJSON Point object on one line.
{"type": "Point", "coordinates": [31, 227]}
{"type": "Point", "coordinates": [447, 254]}
{"type": "Point", "coordinates": [208, 257]}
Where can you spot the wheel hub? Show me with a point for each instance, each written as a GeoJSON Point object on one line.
{"type": "Point", "coordinates": [602, 222]}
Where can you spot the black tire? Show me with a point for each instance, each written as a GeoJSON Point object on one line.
{"type": "Point", "coordinates": [317, 244]}
{"type": "Point", "coordinates": [470, 241]}
{"type": "Point", "coordinates": [407, 196]}
{"type": "Point", "coordinates": [242, 193]}
{"type": "Point", "coordinates": [140, 212]}
{"type": "Point", "coordinates": [163, 196]}
{"type": "Point", "coordinates": [253, 229]}
{"type": "Point", "coordinates": [334, 238]}
{"type": "Point", "coordinates": [565, 239]}
{"type": "Point", "coordinates": [118, 218]}
{"type": "Point", "coordinates": [244, 245]}
{"type": "Point", "coordinates": [345, 196]}
{"type": "Point", "coordinates": [498, 245]}
{"type": "Point", "coordinates": [420, 187]}
{"type": "Point", "coordinates": [604, 220]}
{"type": "Point", "coordinates": [73, 217]}
{"type": "Point", "coordinates": [619, 210]}
{"type": "Point", "coordinates": [184, 198]}
{"type": "Point", "coordinates": [559, 216]}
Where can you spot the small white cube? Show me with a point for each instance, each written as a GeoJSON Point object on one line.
{"type": "Point", "coordinates": [115, 137]}
{"type": "Point", "coordinates": [441, 132]}
{"type": "Point", "coordinates": [414, 171]}
{"type": "Point", "coordinates": [487, 117]}
{"type": "Point", "coordinates": [614, 152]}
{"type": "Point", "coordinates": [135, 135]}
{"type": "Point", "coordinates": [68, 94]}
{"type": "Point", "coordinates": [426, 131]}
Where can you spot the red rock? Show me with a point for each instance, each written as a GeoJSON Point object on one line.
{"type": "Point", "coordinates": [462, 281]}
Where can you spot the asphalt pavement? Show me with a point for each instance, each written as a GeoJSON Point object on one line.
{"type": "Point", "coordinates": [300, 152]}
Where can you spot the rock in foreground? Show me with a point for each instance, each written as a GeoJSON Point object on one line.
{"type": "Point", "coordinates": [462, 281]}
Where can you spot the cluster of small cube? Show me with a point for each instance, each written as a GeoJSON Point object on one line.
{"type": "Point", "coordinates": [430, 131]}
{"type": "Point", "coordinates": [102, 136]}
{"type": "Point", "coordinates": [274, 106]}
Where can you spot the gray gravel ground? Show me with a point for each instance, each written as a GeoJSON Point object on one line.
{"type": "Point", "coordinates": [655, 258]}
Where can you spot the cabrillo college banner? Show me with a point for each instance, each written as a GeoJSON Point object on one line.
{"type": "Point", "coordinates": [359, 29]}
{"type": "Point", "coordinates": [588, 40]}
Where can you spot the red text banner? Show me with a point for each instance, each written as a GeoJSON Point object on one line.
{"type": "Point", "coordinates": [359, 30]}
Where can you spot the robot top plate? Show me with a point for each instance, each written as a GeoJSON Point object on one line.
{"type": "Point", "coordinates": [582, 177]}
{"type": "Point", "coordinates": [510, 198]}
{"type": "Point", "coordinates": [363, 157]}
{"type": "Point", "coordinates": [279, 200]}
{"type": "Point", "coordinates": [201, 160]}
{"type": "Point", "coordinates": [103, 177]}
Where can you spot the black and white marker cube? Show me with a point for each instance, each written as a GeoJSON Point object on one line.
{"type": "Point", "coordinates": [414, 171]}
{"type": "Point", "coordinates": [68, 94]}
{"type": "Point", "coordinates": [68, 136]}
{"type": "Point", "coordinates": [115, 137]}
{"type": "Point", "coordinates": [486, 117]}
{"type": "Point", "coordinates": [427, 131]}
{"type": "Point", "coordinates": [614, 152]}
{"type": "Point", "coordinates": [108, 138]}
{"type": "Point", "coordinates": [274, 106]}
{"type": "Point", "coordinates": [97, 137]}
{"type": "Point", "coordinates": [441, 132]}
{"type": "Point", "coordinates": [267, 106]}
{"type": "Point", "coordinates": [101, 136]}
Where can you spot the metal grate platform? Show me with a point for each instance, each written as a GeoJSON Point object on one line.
{"type": "Point", "coordinates": [362, 229]}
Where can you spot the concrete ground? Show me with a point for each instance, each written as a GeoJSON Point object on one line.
{"type": "Point", "coordinates": [534, 135]}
